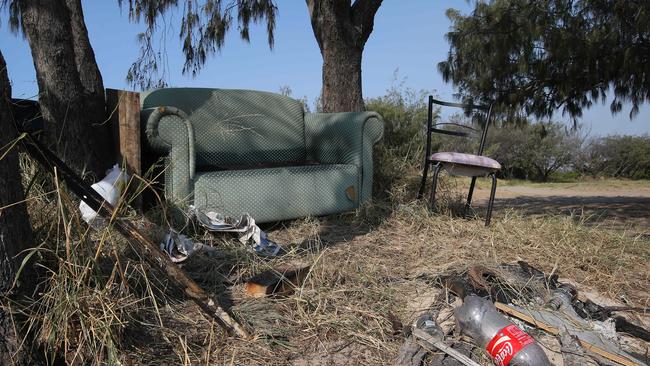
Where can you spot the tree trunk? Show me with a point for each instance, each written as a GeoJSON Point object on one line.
{"type": "Point", "coordinates": [15, 232]}
{"type": "Point", "coordinates": [342, 80]}
{"type": "Point", "coordinates": [70, 86]}
{"type": "Point", "coordinates": [89, 74]}
{"type": "Point", "coordinates": [341, 31]}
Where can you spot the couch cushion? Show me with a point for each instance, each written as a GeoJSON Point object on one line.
{"type": "Point", "coordinates": [279, 193]}
{"type": "Point", "coordinates": [237, 127]}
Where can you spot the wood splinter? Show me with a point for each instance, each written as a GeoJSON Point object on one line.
{"type": "Point", "coordinates": [276, 283]}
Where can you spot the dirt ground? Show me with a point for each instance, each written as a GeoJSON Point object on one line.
{"type": "Point", "coordinates": [620, 205]}
{"type": "Point", "coordinates": [371, 273]}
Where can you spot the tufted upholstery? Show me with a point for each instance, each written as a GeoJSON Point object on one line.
{"type": "Point", "coordinates": [236, 151]}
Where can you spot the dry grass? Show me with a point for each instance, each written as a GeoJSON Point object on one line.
{"type": "Point", "coordinates": [366, 267]}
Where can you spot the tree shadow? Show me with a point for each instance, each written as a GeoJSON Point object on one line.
{"type": "Point", "coordinates": [609, 211]}
{"type": "Point", "coordinates": [332, 230]}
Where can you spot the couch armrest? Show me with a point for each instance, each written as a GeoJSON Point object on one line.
{"type": "Point", "coordinates": [345, 138]}
{"type": "Point", "coordinates": [169, 131]}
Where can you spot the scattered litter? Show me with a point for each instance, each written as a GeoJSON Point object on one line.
{"type": "Point", "coordinates": [110, 188]}
{"type": "Point", "coordinates": [503, 340]}
{"type": "Point", "coordinates": [142, 245]}
{"type": "Point", "coordinates": [277, 283]}
{"type": "Point", "coordinates": [245, 227]}
{"type": "Point", "coordinates": [590, 338]}
{"type": "Point", "coordinates": [426, 330]}
{"type": "Point", "coordinates": [520, 316]}
{"type": "Point", "coordinates": [572, 351]}
{"type": "Point", "coordinates": [179, 247]}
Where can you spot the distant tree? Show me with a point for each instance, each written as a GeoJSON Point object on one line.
{"type": "Point", "coordinates": [71, 92]}
{"type": "Point", "coordinates": [203, 29]}
{"type": "Point", "coordinates": [525, 150]}
{"type": "Point", "coordinates": [287, 92]}
{"type": "Point", "coordinates": [544, 149]}
{"type": "Point", "coordinates": [341, 30]}
{"type": "Point", "coordinates": [508, 145]}
{"type": "Point", "coordinates": [15, 231]}
{"type": "Point", "coordinates": [546, 55]}
{"type": "Point", "coordinates": [617, 156]}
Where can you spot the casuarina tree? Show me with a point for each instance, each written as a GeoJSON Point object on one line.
{"type": "Point", "coordinates": [341, 30]}
{"type": "Point", "coordinates": [71, 92]}
{"type": "Point", "coordinates": [542, 56]}
{"type": "Point", "coordinates": [15, 231]}
{"type": "Point", "coordinates": [203, 29]}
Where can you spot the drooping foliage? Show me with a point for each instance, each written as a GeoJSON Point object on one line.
{"type": "Point", "coordinates": [203, 28]}
{"type": "Point", "coordinates": [541, 56]}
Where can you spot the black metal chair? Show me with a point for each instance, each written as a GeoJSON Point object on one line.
{"type": "Point", "coordinates": [454, 163]}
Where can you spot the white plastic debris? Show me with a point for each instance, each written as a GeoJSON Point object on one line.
{"type": "Point", "coordinates": [245, 227]}
{"type": "Point", "coordinates": [179, 247]}
{"type": "Point", "coordinates": [110, 188]}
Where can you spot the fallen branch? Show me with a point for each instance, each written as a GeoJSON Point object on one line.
{"type": "Point", "coordinates": [147, 249]}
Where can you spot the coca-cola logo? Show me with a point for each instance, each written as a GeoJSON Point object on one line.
{"type": "Point", "coordinates": [506, 343]}
{"type": "Point", "coordinates": [505, 352]}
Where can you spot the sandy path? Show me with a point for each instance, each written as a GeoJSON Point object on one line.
{"type": "Point", "coordinates": [569, 190]}
{"type": "Point", "coordinates": [610, 205]}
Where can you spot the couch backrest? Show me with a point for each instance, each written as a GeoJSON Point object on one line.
{"type": "Point", "coordinates": [237, 127]}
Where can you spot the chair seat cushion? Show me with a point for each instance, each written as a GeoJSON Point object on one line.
{"type": "Point", "coordinates": [280, 193]}
{"type": "Point", "coordinates": [467, 165]}
{"type": "Point", "coordinates": [466, 159]}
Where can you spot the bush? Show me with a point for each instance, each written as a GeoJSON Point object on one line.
{"type": "Point", "coordinates": [535, 151]}
{"type": "Point", "coordinates": [401, 152]}
{"type": "Point", "coordinates": [531, 151]}
{"type": "Point", "coordinates": [617, 156]}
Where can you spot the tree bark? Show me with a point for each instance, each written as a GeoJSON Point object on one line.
{"type": "Point", "coordinates": [71, 93]}
{"type": "Point", "coordinates": [15, 231]}
{"type": "Point", "coordinates": [342, 90]}
{"type": "Point", "coordinates": [341, 31]}
{"type": "Point", "coordinates": [89, 74]}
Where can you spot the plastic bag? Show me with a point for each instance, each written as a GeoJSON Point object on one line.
{"type": "Point", "coordinates": [110, 188]}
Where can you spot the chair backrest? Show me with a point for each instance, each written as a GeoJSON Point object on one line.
{"type": "Point", "coordinates": [237, 127]}
{"type": "Point", "coordinates": [431, 128]}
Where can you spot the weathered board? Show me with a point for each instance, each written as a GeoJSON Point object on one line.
{"type": "Point", "coordinates": [123, 110]}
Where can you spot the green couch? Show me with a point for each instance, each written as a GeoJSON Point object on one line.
{"type": "Point", "coordinates": [236, 151]}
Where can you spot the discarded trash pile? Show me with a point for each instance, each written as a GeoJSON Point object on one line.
{"type": "Point", "coordinates": [517, 315]}
{"type": "Point", "coordinates": [179, 247]}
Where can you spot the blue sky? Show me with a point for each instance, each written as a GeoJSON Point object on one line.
{"type": "Point", "coordinates": [408, 36]}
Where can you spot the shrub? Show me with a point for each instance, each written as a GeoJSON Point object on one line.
{"type": "Point", "coordinates": [617, 156]}
{"type": "Point", "coordinates": [401, 152]}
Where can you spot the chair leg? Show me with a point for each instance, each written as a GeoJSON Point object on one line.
{"type": "Point", "coordinates": [434, 185]}
{"type": "Point", "coordinates": [491, 202]}
{"type": "Point", "coordinates": [468, 204]}
{"type": "Point", "coordinates": [425, 171]}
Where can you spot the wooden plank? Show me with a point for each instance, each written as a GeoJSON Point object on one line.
{"type": "Point", "coordinates": [542, 319]}
{"type": "Point", "coordinates": [123, 109]}
{"type": "Point", "coordinates": [527, 318]}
